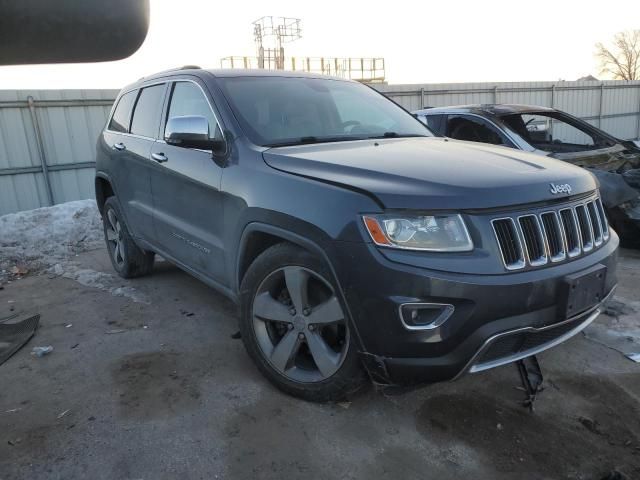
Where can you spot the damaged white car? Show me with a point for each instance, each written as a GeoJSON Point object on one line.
{"type": "Point", "coordinates": [550, 132]}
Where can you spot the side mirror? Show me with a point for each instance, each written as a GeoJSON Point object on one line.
{"type": "Point", "coordinates": [191, 131]}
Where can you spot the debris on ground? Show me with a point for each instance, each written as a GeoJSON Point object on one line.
{"type": "Point", "coordinates": [64, 413]}
{"type": "Point", "coordinates": [616, 308]}
{"type": "Point", "coordinates": [615, 475]}
{"type": "Point", "coordinates": [13, 336]}
{"type": "Point", "coordinates": [42, 351]}
{"type": "Point", "coordinates": [112, 332]}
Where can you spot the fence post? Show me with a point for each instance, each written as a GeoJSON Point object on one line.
{"type": "Point", "coordinates": [553, 96]}
{"type": "Point", "coordinates": [41, 153]}
{"type": "Point", "coordinates": [638, 136]}
{"type": "Point", "coordinates": [495, 94]}
{"type": "Point", "coordinates": [600, 109]}
{"type": "Point", "coordinates": [421, 98]}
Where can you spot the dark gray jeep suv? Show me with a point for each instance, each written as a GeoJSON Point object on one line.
{"type": "Point", "coordinates": [355, 242]}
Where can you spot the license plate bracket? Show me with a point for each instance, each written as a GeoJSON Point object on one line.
{"type": "Point", "coordinates": [583, 290]}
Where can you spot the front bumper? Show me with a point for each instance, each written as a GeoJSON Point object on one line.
{"type": "Point", "coordinates": [497, 318]}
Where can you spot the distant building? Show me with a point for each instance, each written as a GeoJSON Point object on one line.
{"type": "Point", "coordinates": [588, 78]}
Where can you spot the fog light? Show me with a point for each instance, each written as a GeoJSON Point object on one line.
{"type": "Point", "coordinates": [424, 316]}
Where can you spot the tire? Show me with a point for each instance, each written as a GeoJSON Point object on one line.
{"type": "Point", "coordinates": [313, 361]}
{"type": "Point", "coordinates": [127, 258]}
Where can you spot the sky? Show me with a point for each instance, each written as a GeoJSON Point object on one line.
{"type": "Point", "coordinates": [422, 42]}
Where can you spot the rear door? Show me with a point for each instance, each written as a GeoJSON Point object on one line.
{"type": "Point", "coordinates": [186, 189]}
{"type": "Point", "coordinates": [130, 170]}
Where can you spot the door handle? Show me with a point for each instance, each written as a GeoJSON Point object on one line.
{"type": "Point", "coordinates": [119, 146]}
{"type": "Point", "coordinates": [159, 157]}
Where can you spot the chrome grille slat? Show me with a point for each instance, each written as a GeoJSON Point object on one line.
{"type": "Point", "coordinates": [586, 229]}
{"type": "Point", "coordinates": [534, 239]}
{"type": "Point", "coordinates": [554, 236]}
{"type": "Point", "coordinates": [595, 222]}
{"type": "Point", "coordinates": [509, 243]}
{"type": "Point", "coordinates": [534, 244]}
{"type": "Point", "coordinates": [603, 219]}
{"type": "Point", "coordinates": [571, 231]}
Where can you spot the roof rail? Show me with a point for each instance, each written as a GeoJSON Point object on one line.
{"type": "Point", "coordinates": [184, 67]}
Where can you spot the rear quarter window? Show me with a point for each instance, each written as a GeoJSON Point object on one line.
{"type": "Point", "coordinates": [120, 119]}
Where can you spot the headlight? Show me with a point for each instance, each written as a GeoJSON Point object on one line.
{"type": "Point", "coordinates": [436, 233]}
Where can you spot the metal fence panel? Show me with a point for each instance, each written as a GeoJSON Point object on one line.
{"type": "Point", "coordinates": [57, 127]}
{"type": "Point", "coordinates": [68, 122]}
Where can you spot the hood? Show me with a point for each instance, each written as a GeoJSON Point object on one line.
{"type": "Point", "coordinates": [433, 173]}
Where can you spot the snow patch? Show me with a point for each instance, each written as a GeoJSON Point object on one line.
{"type": "Point", "coordinates": [38, 239]}
{"type": "Point", "coordinates": [102, 281]}
{"type": "Point", "coordinates": [48, 239]}
{"type": "Point", "coordinates": [618, 328]}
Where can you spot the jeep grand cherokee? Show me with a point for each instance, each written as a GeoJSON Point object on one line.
{"type": "Point", "coordinates": [355, 242]}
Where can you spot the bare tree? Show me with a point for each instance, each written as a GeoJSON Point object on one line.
{"type": "Point", "coordinates": [622, 60]}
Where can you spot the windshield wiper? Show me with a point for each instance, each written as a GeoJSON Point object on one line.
{"type": "Point", "coordinates": [397, 135]}
{"type": "Point", "coordinates": [312, 139]}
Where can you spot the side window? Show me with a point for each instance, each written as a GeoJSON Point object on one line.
{"type": "Point", "coordinates": [120, 120]}
{"type": "Point", "coordinates": [546, 130]}
{"type": "Point", "coordinates": [475, 129]}
{"type": "Point", "coordinates": [188, 99]}
{"type": "Point", "coordinates": [147, 112]}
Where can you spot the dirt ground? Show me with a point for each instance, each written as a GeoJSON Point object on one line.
{"type": "Point", "coordinates": [158, 388]}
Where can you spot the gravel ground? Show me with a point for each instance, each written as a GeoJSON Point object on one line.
{"type": "Point", "coordinates": [150, 384]}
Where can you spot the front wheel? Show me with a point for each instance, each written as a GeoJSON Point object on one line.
{"type": "Point", "coordinates": [294, 326]}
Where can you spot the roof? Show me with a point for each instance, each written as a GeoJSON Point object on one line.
{"type": "Point", "coordinates": [494, 109]}
{"type": "Point", "coordinates": [238, 72]}
{"type": "Point", "coordinates": [256, 72]}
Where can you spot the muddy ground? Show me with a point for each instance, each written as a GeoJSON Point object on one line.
{"type": "Point", "coordinates": [157, 390]}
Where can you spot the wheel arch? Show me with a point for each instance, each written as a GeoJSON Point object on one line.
{"type": "Point", "coordinates": [256, 231]}
{"type": "Point", "coordinates": [258, 237]}
{"type": "Point", "coordinates": [104, 189]}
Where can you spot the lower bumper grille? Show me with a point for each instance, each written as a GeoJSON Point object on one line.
{"type": "Point", "coordinates": [522, 342]}
{"type": "Point", "coordinates": [508, 347]}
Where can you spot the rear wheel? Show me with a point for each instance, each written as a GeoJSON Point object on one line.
{"type": "Point", "coordinates": [127, 258]}
{"type": "Point", "coordinates": [294, 326]}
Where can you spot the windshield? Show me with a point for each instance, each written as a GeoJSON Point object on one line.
{"type": "Point", "coordinates": [277, 111]}
{"type": "Point", "coordinates": [555, 133]}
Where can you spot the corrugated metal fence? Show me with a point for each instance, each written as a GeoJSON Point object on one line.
{"type": "Point", "coordinates": [47, 145]}
{"type": "Point", "coordinates": [47, 137]}
{"type": "Point", "coordinates": [613, 106]}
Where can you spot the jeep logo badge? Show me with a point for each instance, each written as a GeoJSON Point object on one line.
{"type": "Point", "coordinates": [564, 188]}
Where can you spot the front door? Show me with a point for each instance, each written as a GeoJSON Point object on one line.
{"type": "Point", "coordinates": [186, 190]}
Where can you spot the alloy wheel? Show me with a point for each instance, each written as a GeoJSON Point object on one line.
{"type": "Point", "coordinates": [299, 324]}
{"type": "Point", "coordinates": [114, 238]}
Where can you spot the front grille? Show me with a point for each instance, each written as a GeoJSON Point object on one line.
{"type": "Point", "coordinates": [534, 239]}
